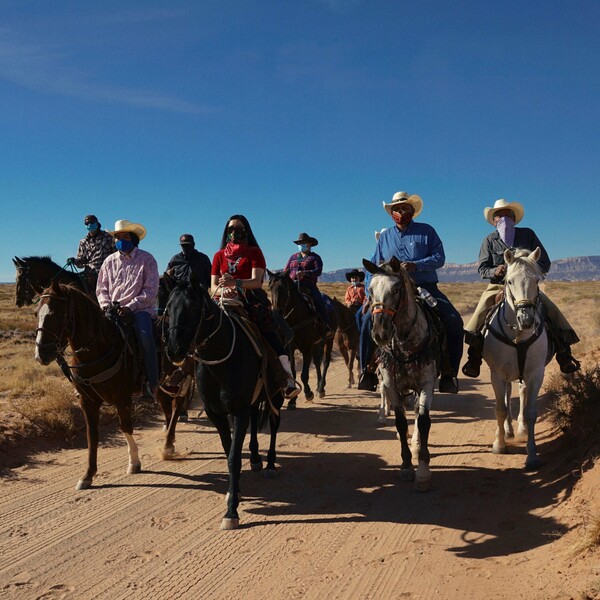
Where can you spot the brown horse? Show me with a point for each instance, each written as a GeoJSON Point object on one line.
{"type": "Point", "coordinates": [347, 337]}
{"type": "Point", "coordinates": [301, 318]}
{"type": "Point", "coordinates": [35, 273]}
{"type": "Point", "coordinates": [98, 363]}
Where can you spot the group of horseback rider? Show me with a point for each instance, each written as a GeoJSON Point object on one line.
{"type": "Point", "coordinates": [120, 272]}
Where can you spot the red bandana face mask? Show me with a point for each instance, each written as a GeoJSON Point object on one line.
{"type": "Point", "coordinates": [401, 218]}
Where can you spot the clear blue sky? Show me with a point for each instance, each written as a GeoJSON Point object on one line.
{"type": "Point", "coordinates": [303, 115]}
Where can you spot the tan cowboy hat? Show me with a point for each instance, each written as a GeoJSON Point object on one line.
{"type": "Point", "coordinates": [360, 275]}
{"type": "Point", "coordinates": [124, 225]}
{"type": "Point", "coordinates": [517, 208]}
{"type": "Point", "coordinates": [304, 238]}
{"type": "Point", "coordinates": [403, 198]}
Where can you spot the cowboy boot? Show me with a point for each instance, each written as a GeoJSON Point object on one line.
{"type": "Point", "coordinates": [368, 381]}
{"type": "Point", "coordinates": [292, 389]}
{"type": "Point", "coordinates": [568, 363]}
{"type": "Point", "coordinates": [472, 367]}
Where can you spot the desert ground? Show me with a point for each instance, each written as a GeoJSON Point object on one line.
{"type": "Point", "coordinates": [336, 522]}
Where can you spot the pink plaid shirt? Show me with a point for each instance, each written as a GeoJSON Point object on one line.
{"type": "Point", "coordinates": [130, 279]}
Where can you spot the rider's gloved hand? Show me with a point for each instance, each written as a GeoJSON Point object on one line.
{"type": "Point", "coordinates": [71, 261]}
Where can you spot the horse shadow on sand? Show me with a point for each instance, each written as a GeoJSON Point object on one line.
{"type": "Point", "coordinates": [500, 511]}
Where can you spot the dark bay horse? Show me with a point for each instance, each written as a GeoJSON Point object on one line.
{"type": "Point", "coordinates": [409, 338]}
{"type": "Point", "coordinates": [98, 363]}
{"type": "Point", "coordinates": [298, 314]}
{"type": "Point", "coordinates": [230, 375]}
{"type": "Point", "coordinates": [36, 273]}
{"type": "Point", "coordinates": [347, 336]}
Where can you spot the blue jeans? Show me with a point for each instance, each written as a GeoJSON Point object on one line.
{"type": "Point", "coordinates": [317, 297]}
{"type": "Point", "coordinates": [142, 322]}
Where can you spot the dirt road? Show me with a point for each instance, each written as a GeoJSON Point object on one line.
{"type": "Point", "coordinates": [336, 523]}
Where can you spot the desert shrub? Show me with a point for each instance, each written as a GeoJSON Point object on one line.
{"type": "Point", "coordinates": [574, 408]}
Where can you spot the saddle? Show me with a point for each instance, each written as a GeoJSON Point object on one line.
{"type": "Point", "coordinates": [320, 325]}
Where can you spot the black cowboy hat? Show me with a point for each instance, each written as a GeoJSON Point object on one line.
{"type": "Point", "coordinates": [355, 273]}
{"type": "Point", "coordinates": [304, 238]}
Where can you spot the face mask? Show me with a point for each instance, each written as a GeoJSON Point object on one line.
{"type": "Point", "coordinates": [354, 284]}
{"type": "Point", "coordinates": [401, 218]}
{"type": "Point", "coordinates": [124, 245]}
{"type": "Point", "coordinates": [506, 229]}
{"type": "Point", "coordinates": [237, 236]}
{"type": "Point", "coordinates": [187, 250]}
{"type": "Point", "coordinates": [303, 247]}
{"type": "Point", "coordinates": [92, 227]}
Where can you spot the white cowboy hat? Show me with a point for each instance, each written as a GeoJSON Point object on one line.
{"type": "Point", "coordinates": [403, 198]}
{"type": "Point", "coordinates": [124, 225]}
{"type": "Point", "coordinates": [517, 208]}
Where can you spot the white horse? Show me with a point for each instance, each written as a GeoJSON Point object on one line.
{"type": "Point", "coordinates": [516, 348]}
{"type": "Point", "coordinates": [409, 340]}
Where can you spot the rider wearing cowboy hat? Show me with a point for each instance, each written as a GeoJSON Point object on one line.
{"type": "Point", "coordinates": [355, 292]}
{"type": "Point", "coordinates": [421, 252]}
{"type": "Point", "coordinates": [130, 277]}
{"type": "Point", "coordinates": [503, 216]}
{"type": "Point", "coordinates": [305, 267]}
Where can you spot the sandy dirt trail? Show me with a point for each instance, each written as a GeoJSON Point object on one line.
{"type": "Point", "coordinates": [336, 523]}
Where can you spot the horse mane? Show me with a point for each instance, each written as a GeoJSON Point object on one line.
{"type": "Point", "coordinates": [402, 274]}
{"type": "Point", "coordinates": [40, 259]}
{"type": "Point", "coordinates": [523, 260]}
{"type": "Point", "coordinates": [92, 316]}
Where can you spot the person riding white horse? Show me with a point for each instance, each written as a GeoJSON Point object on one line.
{"type": "Point", "coordinates": [492, 265]}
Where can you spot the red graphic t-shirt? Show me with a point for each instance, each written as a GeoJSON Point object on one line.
{"type": "Point", "coordinates": [238, 260]}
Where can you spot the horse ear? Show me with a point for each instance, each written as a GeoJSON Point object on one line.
{"type": "Point", "coordinates": [535, 255]}
{"type": "Point", "coordinates": [55, 286]}
{"type": "Point", "coordinates": [509, 256]}
{"type": "Point", "coordinates": [395, 265]}
{"type": "Point", "coordinates": [270, 273]}
{"type": "Point", "coordinates": [372, 267]}
{"type": "Point", "coordinates": [18, 262]}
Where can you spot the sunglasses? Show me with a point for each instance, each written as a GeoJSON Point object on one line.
{"type": "Point", "coordinates": [232, 229]}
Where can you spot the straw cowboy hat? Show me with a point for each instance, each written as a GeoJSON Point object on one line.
{"type": "Point", "coordinates": [403, 198]}
{"type": "Point", "coordinates": [304, 238]}
{"type": "Point", "coordinates": [360, 275]}
{"type": "Point", "coordinates": [124, 225]}
{"type": "Point", "coordinates": [517, 208]}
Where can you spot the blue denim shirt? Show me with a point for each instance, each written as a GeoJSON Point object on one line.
{"type": "Point", "coordinates": [418, 243]}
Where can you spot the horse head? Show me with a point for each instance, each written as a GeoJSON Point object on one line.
{"type": "Point", "coordinates": [282, 288]}
{"type": "Point", "coordinates": [521, 292]}
{"type": "Point", "coordinates": [391, 292]}
{"type": "Point", "coordinates": [185, 309]}
{"type": "Point", "coordinates": [52, 315]}
{"type": "Point", "coordinates": [24, 292]}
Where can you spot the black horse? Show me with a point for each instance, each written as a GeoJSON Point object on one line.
{"type": "Point", "coordinates": [229, 379]}
{"type": "Point", "coordinates": [36, 273]}
{"type": "Point", "coordinates": [290, 302]}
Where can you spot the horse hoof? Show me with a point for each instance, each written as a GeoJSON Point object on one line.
{"type": "Point", "coordinates": [291, 405]}
{"type": "Point", "coordinates": [380, 420]}
{"type": "Point", "coordinates": [407, 474]}
{"type": "Point", "coordinates": [228, 524]}
{"type": "Point", "coordinates": [133, 469]}
{"type": "Point", "coordinates": [309, 397]}
{"type": "Point", "coordinates": [422, 484]}
{"type": "Point", "coordinates": [167, 453]}
{"type": "Point", "coordinates": [270, 473]}
{"type": "Point", "coordinates": [322, 394]}
{"type": "Point", "coordinates": [257, 466]}
{"type": "Point", "coordinates": [498, 449]}
{"type": "Point", "coordinates": [533, 464]}
{"type": "Point", "coordinates": [83, 484]}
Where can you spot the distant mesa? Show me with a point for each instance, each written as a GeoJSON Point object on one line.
{"type": "Point", "coordinates": [579, 268]}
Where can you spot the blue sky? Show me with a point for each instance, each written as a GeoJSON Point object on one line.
{"type": "Point", "coordinates": [302, 115]}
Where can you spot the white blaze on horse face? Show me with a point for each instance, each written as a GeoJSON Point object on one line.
{"type": "Point", "coordinates": [42, 315]}
{"type": "Point", "coordinates": [523, 288]}
{"type": "Point", "coordinates": [382, 291]}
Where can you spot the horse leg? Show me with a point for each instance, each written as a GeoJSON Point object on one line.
{"type": "Point", "coordinates": [423, 474]}
{"type": "Point", "coordinates": [306, 358]}
{"type": "Point", "coordinates": [521, 426]}
{"type": "Point", "coordinates": [124, 412]}
{"type": "Point", "coordinates": [256, 463]}
{"type": "Point", "coordinates": [530, 392]}
{"type": "Point", "coordinates": [501, 390]}
{"type": "Point", "coordinates": [231, 520]}
{"type": "Point", "coordinates": [292, 402]}
{"type": "Point", "coordinates": [407, 471]}
{"type": "Point", "coordinates": [508, 426]}
{"type": "Point", "coordinates": [175, 406]}
{"type": "Point", "coordinates": [344, 352]}
{"type": "Point", "coordinates": [381, 415]}
{"type": "Point", "coordinates": [91, 412]}
{"type": "Point", "coordinates": [326, 363]}
{"type": "Point", "coordinates": [271, 470]}
{"type": "Point", "coordinates": [221, 422]}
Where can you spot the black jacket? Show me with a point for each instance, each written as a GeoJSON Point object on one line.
{"type": "Point", "coordinates": [181, 267]}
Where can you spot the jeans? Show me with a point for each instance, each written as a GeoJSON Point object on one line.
{"type": "Point", "coordinates": [142, 322]}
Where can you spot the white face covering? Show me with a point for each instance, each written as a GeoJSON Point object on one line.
{"type": "Point", "coordinates": [506, 229]}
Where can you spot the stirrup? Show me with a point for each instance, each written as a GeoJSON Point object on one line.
{"type": "Point", "coordinates": [292, 392]}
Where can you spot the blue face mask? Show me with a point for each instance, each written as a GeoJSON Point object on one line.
{"type": "Point", "coordinates": [92, 226]}
{"type": "Point", "coordinates": [303, 247]}
{"type": "Point", "coordinates": [124, 245]}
